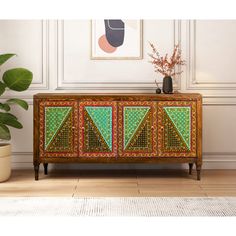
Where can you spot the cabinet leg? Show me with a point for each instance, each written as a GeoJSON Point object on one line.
{"type": "Point", "coordinates": [198, 167]}
{"type": "Point", "coordinates": [36, 171]}
{"type": "Point", "coordinates": [190, 168]}
{"type": "Point", "coordinates": [45, 165]}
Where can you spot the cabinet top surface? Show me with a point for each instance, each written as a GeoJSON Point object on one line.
{"type": "Point", "coordinates": [113, 96]}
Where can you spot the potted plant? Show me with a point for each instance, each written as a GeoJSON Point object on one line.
{"type": "Point", "coordinates": [17, 79]}
{"type": "Point", "coordinates": [166, 66]}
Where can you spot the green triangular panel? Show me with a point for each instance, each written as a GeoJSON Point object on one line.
{"type": "Point", "coordinates": [172, 139]}
{"type": "Point", "coordinates": [54, 118]}
{"type": "Point", "coordinates": [102, 118]}
{"type": "Point", "coordinates": [142, 141]}
{"type": "Point", "coordinates": [133, 117]}
{"type": "Point", "coordinates": [63, 139]}
{"type": "Point", "coordinates": [94, 142]}
{"type": "Point", "coordinates": [181, 118]}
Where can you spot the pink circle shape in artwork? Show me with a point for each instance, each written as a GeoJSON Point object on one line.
{"type": "Point", "coordinates": [104, 44]}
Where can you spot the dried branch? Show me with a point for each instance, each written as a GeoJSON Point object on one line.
{"type": "Point", "coordinates": [165, 65]}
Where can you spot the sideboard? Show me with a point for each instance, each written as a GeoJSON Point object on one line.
{"type": "Point", "coordinates": [117, 128]}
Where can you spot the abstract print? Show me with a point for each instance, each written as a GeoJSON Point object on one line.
{"type": "Point", "coordinates": [113, 37]}
{"type": "Point", "coordinates": [116, 39]}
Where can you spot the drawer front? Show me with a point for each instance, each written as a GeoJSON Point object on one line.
{"type": "Point", "coordinates": [97, 129]}
{"type": "Point", "coordinates": [137, 129]}
{"type": "Point", "coordinates": [58, 128]}
{"type": "Point", "coordinates": [177, 129]}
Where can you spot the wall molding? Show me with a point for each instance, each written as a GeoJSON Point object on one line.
{"type": "Point", "coordinates": [191, 81]}
{"type": "Point", "coordinates": [43, 84]}
{"type": "Point", "coordinates": [62, 84]}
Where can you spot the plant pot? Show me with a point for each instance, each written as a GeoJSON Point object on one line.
{"type": "Point", "coordinates": [167, 85]}
{"type": "Point", "coordinates": [5, 162]}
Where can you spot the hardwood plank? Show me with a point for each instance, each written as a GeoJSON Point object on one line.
{"type": "Point", "coordinates": [106, 191]}
{"type": "Point", "coordinates": [172, 194]}
{"type": "Point", "coordinates": [23, 191]}
{"type": "Point", "coordinates": [66, 183]}
{"type": "Point", "coordinates": [169, 188]}
{"type": "Point", "coordinates": [108, 184]}
{"type": "Point", "coordinates": [221, 193]}
{"type": "Point", "coordinates": [219, 187]}
{"type": "Point", "coordinates": [108, 180]}
{"type": "Point", "coordinates": [106, 194]}
{"type": "Point", "coordinates": [166, 180]}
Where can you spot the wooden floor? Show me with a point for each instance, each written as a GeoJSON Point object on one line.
{"type": "Point", "coordinates": [132, 183]}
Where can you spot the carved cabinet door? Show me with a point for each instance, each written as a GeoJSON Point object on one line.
{"type": "Point", "coordinates": [137, 129]}
{"type": "Point", "coordinates": [58, 128]}
{"type": "Point", "coordinates": [177, 128]}
{"type": "Point", "coordinates": [97, 129]}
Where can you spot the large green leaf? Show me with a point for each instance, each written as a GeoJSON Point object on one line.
{"type": "Point", "coordinates": [4, 106]}
{"type": "Point", "coordinates": [18, 79]}
{"type": "Point", "coordinates": [2, 114]}
{"type": "Point", "coordinates": [19, 102]}
{"type": "Point", "coordinates": [2, 88]}
{"type": "Point", "coordinates": [9, 119]}
{"type": "Point", "coordinates": [5, 57]}
{"type": "Point", "coordinates": [4, 132]}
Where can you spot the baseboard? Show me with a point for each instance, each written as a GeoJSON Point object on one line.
{"type": "Point", "coordinates": [24, 160]}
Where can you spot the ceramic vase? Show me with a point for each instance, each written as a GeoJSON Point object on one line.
{"type": "Point", "coordinates": [167, 85]}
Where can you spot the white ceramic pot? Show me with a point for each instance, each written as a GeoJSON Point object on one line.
{"type": "Point", "coordinates": [5, 162]}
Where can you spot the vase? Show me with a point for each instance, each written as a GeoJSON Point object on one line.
{"type": "Point", "coordinates": [158, 91]}
{"type": "Point", "coordinates": [167, 85]}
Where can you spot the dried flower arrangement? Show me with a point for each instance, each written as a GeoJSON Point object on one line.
{"type": "Point", "coordinates": [165, 65]}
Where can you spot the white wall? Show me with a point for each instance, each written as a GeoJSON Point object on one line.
{"type": "Point", "coordinates": [58, 53]}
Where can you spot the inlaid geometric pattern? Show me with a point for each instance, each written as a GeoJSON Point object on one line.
{"type": "Point", "coordinates": [102, 119]}
{"type": "Point", "coordinates": [177, 128]}
{"type": "Point", "coordinates": [137, 129]}
{"type": "Point", "coordinates": [54, 118]}
{"type": "Point", "coordinates": [172, 139]}
{"type": "Point", "coordinates": [181, 118]}
{"type": "Point", "coordinates": [140, 141]}
{"type": "Point", "coordinates": [97, 129]}
{"type": "Point", "coordinates": [58, 132]}
{"type": "Point", "coordinates": [63, 140]}
{"type": "Point", "coordinates": [94, 140]}
{"type": "Point", "coordinates": [133, 117]}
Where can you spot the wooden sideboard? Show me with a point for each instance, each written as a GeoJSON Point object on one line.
{"type": "Point", "coordinates": [117, 128]}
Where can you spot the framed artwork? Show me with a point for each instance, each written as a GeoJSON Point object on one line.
{"type": "Point", "coordinates": [116, 39]}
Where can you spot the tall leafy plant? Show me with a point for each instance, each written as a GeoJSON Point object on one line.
{"type": "Point", "coordinates": [17, 79]}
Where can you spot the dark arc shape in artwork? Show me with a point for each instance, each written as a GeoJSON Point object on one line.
{"type": "Point", "coordinates": [115, 32]}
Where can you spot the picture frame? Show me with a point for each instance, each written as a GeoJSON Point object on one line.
{"type": "Point", "coordinates": [116, 39]}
